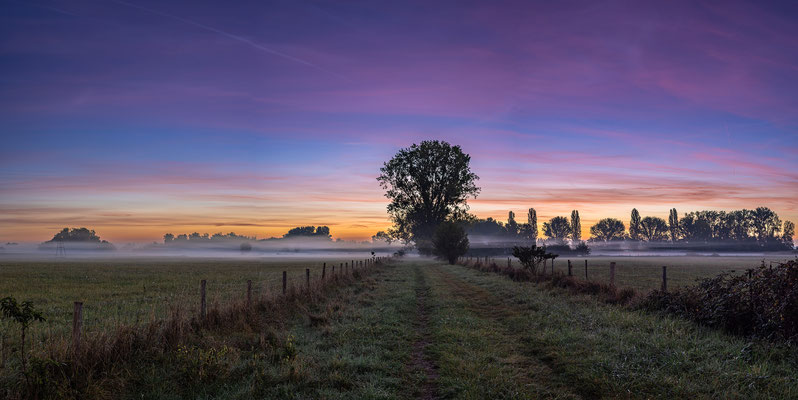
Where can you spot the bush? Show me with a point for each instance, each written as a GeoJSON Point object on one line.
{"type": "Point", "coordinates": [450, 241]}
{"type": "Point", "coordinates": [762, 304]}
{"type": "Point", "coordinates": [531, 257]}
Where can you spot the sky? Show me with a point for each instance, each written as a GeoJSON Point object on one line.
{"type": "Point", "coordinates": [138, 117]}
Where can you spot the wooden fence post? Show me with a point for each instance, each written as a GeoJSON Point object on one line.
{"type": "Point", "coordinates": [323, 271]}
{"type": "Point", "coordinates": [333, 271]}
{"type": "Point", "coordinates": [569, 268]}
{"type": "Point", "coordinates": [552, 267]}
{"type": "Point", "coordinates": [307, 277]}
{"type": "Point", "coordinates": [508, 262]}
{"type": "Point", "coordinates": [285, 282]}
{"type": "Point", "coordinates": [664, 278]}
{"type": "Point", "coordinates": [77, 326]}
{"type": "Point", "coordinates": [249, 293]}
{"type": "Point", "coordinates": [585, 269]}
{"type": "Point", "coordinates": [202, 299]}
{"type": "Point", "coordinates": [612, 273]}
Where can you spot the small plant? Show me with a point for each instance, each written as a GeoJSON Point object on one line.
{"type": "Point", "coordinates": [203, 364]}
{"type": "Point", "coordinates": [22, 313]}
{"type": "Point", "coordinates": [531, 257]}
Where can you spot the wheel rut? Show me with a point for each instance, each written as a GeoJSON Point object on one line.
{"type": "Point", "coordinates": [487, 306]}
{"type": "Point", "coordinates": [420, 362]}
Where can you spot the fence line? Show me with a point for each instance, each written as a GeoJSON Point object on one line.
{"type": "Point", "coordinates": [291, 283]}
{"type": "Point", "coordinates": [611, 280]}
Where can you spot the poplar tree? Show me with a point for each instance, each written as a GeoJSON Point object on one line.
{"type": "Point", "coordinates": [634, 225]}
{"type": "Point", "coordinates": [512, 226]}
{"type": "Point", "coordinates": [532, 220]}
{"type": "Point", "coordinates": [673, 224]}
{"type": "Point", "coordinates": [576, 227]}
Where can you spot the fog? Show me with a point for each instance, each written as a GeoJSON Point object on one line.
{"type": "Point", "coordinates": [283, 248]}
{"type": "Point", "coordinates": [491, 244]}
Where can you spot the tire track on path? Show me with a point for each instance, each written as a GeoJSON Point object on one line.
{"type": "Point", "coordinates": [534, 367]}
{"type": "Point", "coordinates": [420, 361]}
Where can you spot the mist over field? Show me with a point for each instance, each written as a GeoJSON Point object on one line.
{"type": "Point", "coordinates": [291, 248]}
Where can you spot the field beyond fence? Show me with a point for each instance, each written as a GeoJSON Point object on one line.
{"type": "Point", "coordinates": [116, 293]}
{"type": "Point", "coordinates": [644, 274]}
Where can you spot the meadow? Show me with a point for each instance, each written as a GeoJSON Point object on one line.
{"type": "Point", "coordinates": [117, 292]}
{"type": "Point", "coordinates": [644, 273]}
{"type": "Point", "coordinates": [413, 328]}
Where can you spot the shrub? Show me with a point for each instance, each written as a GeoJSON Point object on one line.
{"type": "Point", "coordinates": [531, 257]}
{"type": "Point", "coordinates": [450, 241]}
{"type": "Point", "coordinates": [763, 303]}
{"type": "Point", "coordinates": [582, 249]}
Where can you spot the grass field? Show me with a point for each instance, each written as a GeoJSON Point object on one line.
{"type": "Point", "coordinates": [117, 292]}
{"type": "Point", "coordinates": [645, 273]}
{"type": "Point", "coordinates": [422, 329]}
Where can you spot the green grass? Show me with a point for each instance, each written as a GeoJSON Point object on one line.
{"type": "Point", "coordinates": [599, 350]}
{"type": "Point", "coordinates": [118, 292]}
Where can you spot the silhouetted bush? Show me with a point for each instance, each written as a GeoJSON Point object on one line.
{"type": "Point", "coordinates": [762, 304]}
{"type": "Point", "coordinates": [450, 242]}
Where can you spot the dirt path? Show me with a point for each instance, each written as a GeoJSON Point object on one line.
{"type": "Point", "coordinates": [533, 365]}
{"type": "Point", "coordinates": [420, 361]}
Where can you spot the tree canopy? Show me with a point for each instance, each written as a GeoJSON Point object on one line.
{"type": "Point", "coordinates": [309, 231]}
{"type": "Point", "coordinates": [427, 184]}
{"type": "Point", "coordinates": [608, 229]}
{"type": "Point", "coordinates": [558, 228]}
{"type": "Point", "coordinates": [653, 229]}
{"type": "Point", "coordinates": [77, 235]}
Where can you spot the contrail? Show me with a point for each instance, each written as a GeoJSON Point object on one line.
{"type": "Point", "coordinates": [228, 35]}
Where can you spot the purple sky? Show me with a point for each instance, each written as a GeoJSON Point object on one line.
{"type": "Point", "coordinates": [137, 118]}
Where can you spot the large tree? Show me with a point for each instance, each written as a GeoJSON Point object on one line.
{"type": "Point", "coordinates": [634, 225]}
{"type": "Point", "coordinates": [558, 229]}
{"type": "Point", "coordinates": [607, 229]}
{"type": "Point", "coordinates": [766, 223]}
{"type": "Point", "coordinates": [653, 228]}
{"type": "Point", "coordinates": [576, 227]}
{"type": "Point", "coordinates": [427, 184]}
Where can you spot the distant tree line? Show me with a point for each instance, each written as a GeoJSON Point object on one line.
{"type": "Point", "coordinates": [196, 237]}
{"type": "Point", "coordinates": [316, 232]}
{"type": "Point", "coordinates": [759, 228]}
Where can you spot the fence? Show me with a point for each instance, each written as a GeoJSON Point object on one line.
{"type": "Point", "coordinates": [293, 284]}
{"type": "Point", "coordinates": [641, 274]}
